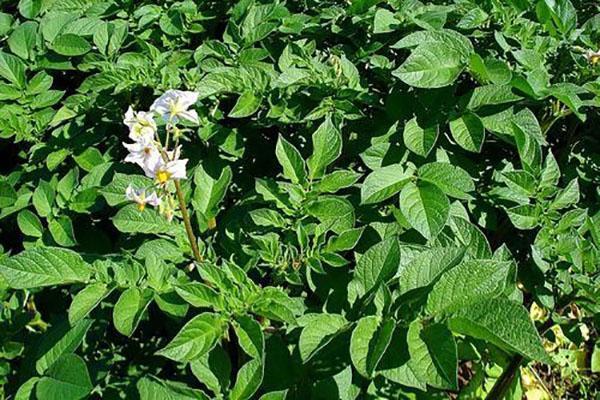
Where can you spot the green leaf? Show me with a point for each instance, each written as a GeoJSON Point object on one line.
{"type": "Point", "coordinates": [452, 179]}
{"type": "Point", "coordinates": [70, 44]}
{"type": "Point", "coordinates": [30, 8]}
{"type": "Point", "coordinates": [23, 38]}
{"type": "Point", "coordinates": [369, 341]}
{"type": "Point", "coordinates": [61, 229]}
{"type": "Point", "coordinates": [248, 380]}
{"type": "Point", "coordinates": [200, 295]}
{"type": "Point", "coordinates": [68, 379]}
{"type": "Point", "coordinates": [196, 338]}
{"type": "Point", "coordinates": [291, 160]}
{"type": "Point", "coordinates": [43, 198]}
{"type": "Point", "coordinates": [130, 219]}
{"type": "Point", "coordinates": [334, 213]}
{"type": "Point", "coordinates": [60, 341]}
{"type": "Point", "coordinates": [44, 266]}
{"type": "Point", "coordinates": [114, 192]}
{"type": "Point", "coordinates": [378, 264]}
{"type": "Point", "coordinates": [327, 147]}
{"type": "Point", "coordinates": [567, 197]}
{"type": "Point", "coordinates": [425, 207]}
{"type": "Point", "coordinates": [210, 192]}
{"type": "Point", "coordinates": [130, 308]}
{"type": "Point", "coordinates": [337, 180]}
{"type": "Point", "coordinates": [503, 323]}
{"type": "Point", "coordinates": [153, 388]}
{"type": "Point", "coordinates": [250, 336]}
{"type": "Point", "coordinates": [524, 217]}
{"type": "Point", "coordinates": [467, 283]}
{"type": "Point", "coordinates": [424, 269]}
{"type": "Point", "coordinates": [431, 65]}
{"type": "Point", "coordinates": [468, 132]}
{"type": "Point", "coordinates": [433, 355]}
{"type": "Point", "coordinates": [213, 369]}
{"type": "Point", "coordinates": [319, 330]}
{"type": "Point", "coordinates": [8, 196]}
{"type": "Point", "coordinates": [419, 140]}
{"type": "Point", "coordinates": [247, 104]}
{"type": "Point", "coordinates": [86, 300]}
{"type": "Point", "coordinates": [30, 224]}
{"type": "Point", "coordinates": [383, 183]}
{"type": "Point", "coordinates": [12, 69]}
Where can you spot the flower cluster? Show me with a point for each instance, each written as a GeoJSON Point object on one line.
{"type": "Point", "coordinates": [151, 151]}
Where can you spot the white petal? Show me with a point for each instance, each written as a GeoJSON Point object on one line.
{"type": "Point", "coordinates": [190, 115]}
{"type": "Point", "coordinates": [187, 99]}
{"type": "Point", "coordinates": [130, 193]}
{"type": "Point", "coordinates": [153, 200]}
{"type": "Point", "coordinates": [177, 169]}
{"type": "Point", "coordinates": [129, 119]}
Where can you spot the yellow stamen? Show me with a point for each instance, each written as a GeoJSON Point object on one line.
{"type": "Point", "coordinates": [595, 59]}
{"type": "Point", "coordinates": [141, 206]}
{"type": "Point", "coordinates": [162, 176]}
{"type": "Point", "coordinates": [212, 223]}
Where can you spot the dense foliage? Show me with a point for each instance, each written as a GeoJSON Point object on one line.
{"type": "Point", "coordinates": [381, 200]}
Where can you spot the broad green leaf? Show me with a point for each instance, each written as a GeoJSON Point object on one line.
{"type": "Point", "coordinates": [337, 180]}
{"type": "Point", "coordinates": [30, 224]}
{"type": "Point", "coordinates": [247, 104]}
{"type": "Point", "coordinates": [210, 191]}
{"type": "Point", "coordinates": [447, 37]}
{"type": "Point", "coordinates": [318, 332]}
{"type": "Point", "coordinates": [327, 147]}
{"type": "Point", "coordinates": [59, 341]}
{"type": "Point", "coordinates": [291, 160]}
{"type": "Point", "coordinates": [419, 140]}
{"type": "Point", "coordinates": [68, 379]}
{"type": "Point", "coordinates": [12, 69]}
{"type": "Point", "coordinates": [248, 380]}
{"type": "Point", "coordinates": [369, 341]}
{"type": "Point", "coordinates": [196, 338]}
{"type": "Point", "coordinates": [86, 300]}
{"type": "Point", "coordinates": [70, 44]}
{"type": "Point", "coordinates": [23, 38]}
{"type": "Point", "coordinates": [524, 217]}
{"type": "Point", "coordinates": [427, 266]}
{"type": "Point", "coordinates": [61, 229]}
{"type": "Point", "coordinates": [468, 132]}
{"type": "Point", "coordinates": [30, 8]}
{"type": "Point", "coordinates": [378, 264]}
{"type": "Point", "coordinates": [130, 308]}
{"type": "Point", "coordinates": [567, 197]}
{"type": "Point", "coordinates": [333, 213]}
{"type": "Point", "coordinates": [43, 198]}
{"type": "Point", "coordinates": [250, 336]}
{"type": "Point", "coordinates": [213, 369]}
{"type": "Point", "coordinates": [383, 183]}
{"type": "Point", "coordinates": [503, 323]}
{"type": "Point", "coordinates": [130, 219]}
{"type": "Point", "coordinates": [114, 192]}
{"type": "Point", "coordinates": [467, 283]}
{"type": "Point", "coordinates": [44, 266]}
{"type": "Point", "coordinates": [433, 355]}
{"type": "Point", "coordinates": [200, 295]}
{"type": "Point", "coordinates": [425, 207]}
{"type": "Point", "coordinates": [452, 179]}
{"type": "Point", "coordinates": [153, 388]}
{"type": "Point", "coordinates": [8, 196]}
{"type": "Point", "coordinates": [431, 65]}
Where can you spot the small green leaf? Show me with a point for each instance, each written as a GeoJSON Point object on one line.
{"type": "Point", "coordinates": [468, 132]}
{"type": "Point", "coordinates": [327, 147]}
{"type": "Point", "coordinates": [452, 179]}
{"type": "Point", "coordinates": [196, 338]}
{"type": "Point", "coordinates": [378, 264]}
{"type": "Point", "coordinates": [8, 196]}
{"type": "Point", "coordinates": [369, 341]}
{"type": "Point", "coordinates": [248, 380]}
{"type": "Point", "coordinates": [383, 183]}
{"type": "Point", "coordinates": [291, 160]}
{"type": "Point", "coordinates": [130, 308]}
{"type": "Point", "coordinates": [425, 207]}
{"type": "Point", "coordinates": [70, 44]}
{"type": "Point", "coordinates": [431, 65]}
{"type": "Point", "coordinates": [419, 140]}
{"type": "Point", "coordinates": [247, 104]}
{"type": "Point", "coordinates": [86, 300]}
{"type": "Point", "coordinates": [318, 332]}
{"type": "Point", "coordinates": [61, 229]}
{"type": "Point", "coordinates": [30, 224]}
{"type": "Point", "coordinates": [68, 379]}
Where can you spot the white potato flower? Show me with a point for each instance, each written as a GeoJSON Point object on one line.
{"type": "Point", "coordinates": [142, 152]}
{"type": "Point", "coordinates": [163, 171]}
{"type": "Point", "coordinates": [140, 197]}
{"type": "Point", "coordinates": [174, 105]}
{"type": "Point", "coordinates": [140, 123]}
{"type": "Point", "coordinates": [593, 57]}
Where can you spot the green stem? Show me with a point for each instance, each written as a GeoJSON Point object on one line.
{"type": "Point", "coordinates": [187, 223]}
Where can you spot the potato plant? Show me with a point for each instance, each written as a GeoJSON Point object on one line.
{"type": "Point", "coordinates": [301, 199]}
